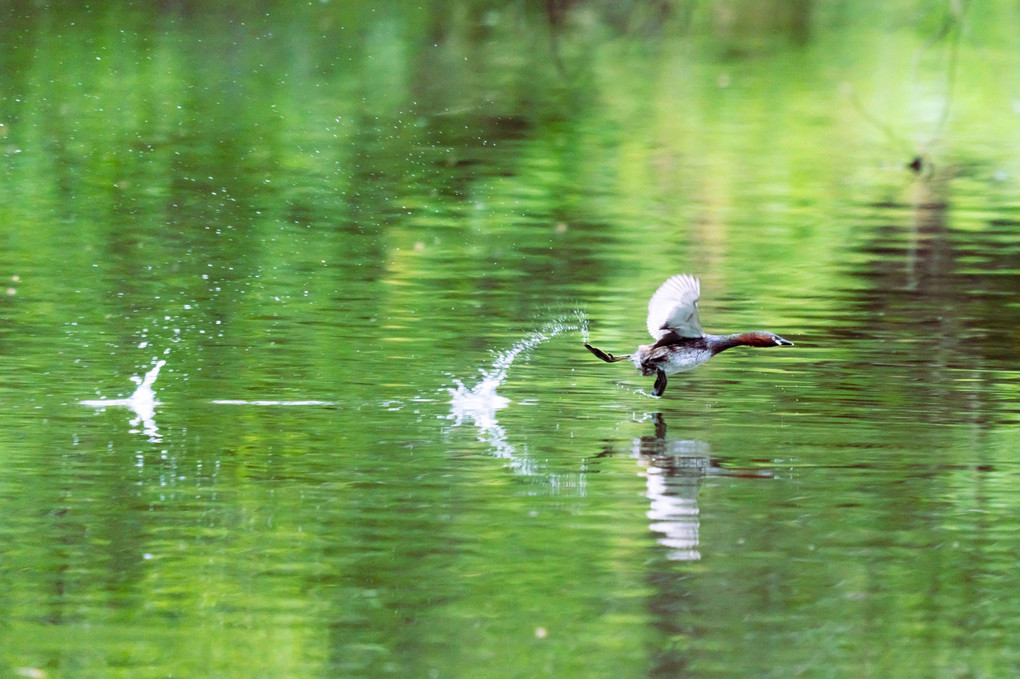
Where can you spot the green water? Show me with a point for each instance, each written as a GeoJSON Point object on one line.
{"type": "Point", "coordinates": [368, 242]}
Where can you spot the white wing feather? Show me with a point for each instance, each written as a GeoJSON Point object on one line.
{"type": "Point", "coordinates": [674, 308]}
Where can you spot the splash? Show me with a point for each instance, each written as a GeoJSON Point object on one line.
{"type": "Point", "coordinates": [480, 402]}
{"type": "Point", "coordinates": [477, 405]}
{"type": "Point", "coordinates": [142, 402]}
{"type": "Point", "coordinates": [582, 325]}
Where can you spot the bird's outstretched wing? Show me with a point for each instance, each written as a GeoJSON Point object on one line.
{"type": "Point", "coordinates": [674, 308]}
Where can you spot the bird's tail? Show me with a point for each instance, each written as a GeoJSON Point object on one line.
{"type": "Point", "coordinates": [608, 358]}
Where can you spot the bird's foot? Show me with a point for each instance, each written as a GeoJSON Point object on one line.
{"type": "Point", "coordinates": [660, 384]}
{"type": "Point", "coordinates": [608, 358]}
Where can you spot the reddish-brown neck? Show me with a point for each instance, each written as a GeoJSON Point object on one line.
{"type": "Point", "coordinates": [743, 339]}
{"type": "Point", "coordinates": [757, 339]}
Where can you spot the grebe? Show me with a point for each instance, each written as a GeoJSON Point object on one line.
{"type": "Point", "coordinates": [680, 343]}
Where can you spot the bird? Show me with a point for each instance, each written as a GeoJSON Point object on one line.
{"type": "Point", "coordinates": [680, 343]}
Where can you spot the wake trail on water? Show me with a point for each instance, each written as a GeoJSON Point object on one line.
{"type": "Point", "coordinates": [472, 404]}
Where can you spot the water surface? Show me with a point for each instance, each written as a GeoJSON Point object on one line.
{"type": "Point", "coordinates": [292, 321]}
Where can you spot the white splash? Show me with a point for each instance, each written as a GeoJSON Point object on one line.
{"type": "Point", "coordinates": [143, 402]}
{"type": "Point", "coordinates": [477, 405]}
{"type": "Point", "coordinates": [480, 402]}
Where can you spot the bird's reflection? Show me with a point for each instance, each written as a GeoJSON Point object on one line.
{"type": "Point", "coordinates": [674, 469]}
